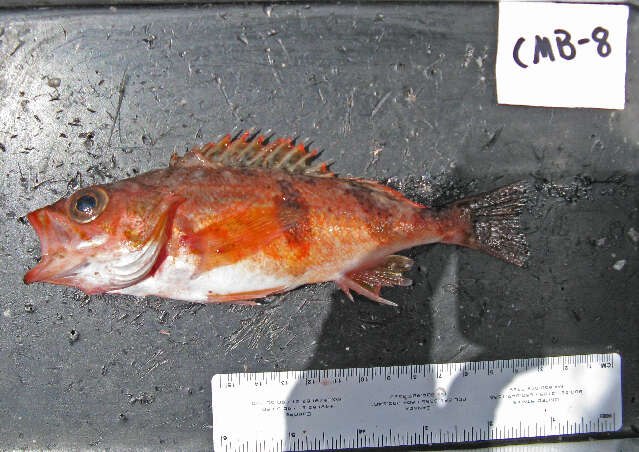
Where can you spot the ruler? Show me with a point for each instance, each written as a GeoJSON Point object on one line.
{"type": "Point", "coordinates": [418, 404]}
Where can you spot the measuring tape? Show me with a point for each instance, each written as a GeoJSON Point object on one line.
{"type": "Point", "coordinates": [420, 404]}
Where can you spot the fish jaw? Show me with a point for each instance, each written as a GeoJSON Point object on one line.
{"type": "Point", "coordinates": [57, 265]}
{"type": "Point", "coordinates": [53, 271]}
{"type": "Point", "coordinates": [61, 265]}
{"type": "Point", "coordinates": [42, 271]}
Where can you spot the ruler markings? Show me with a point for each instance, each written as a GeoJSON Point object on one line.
{"type": "Point", "coordinates": [406, 405]}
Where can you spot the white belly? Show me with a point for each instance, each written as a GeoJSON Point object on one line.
{"type": "Point", "coordinates": [176, 278]}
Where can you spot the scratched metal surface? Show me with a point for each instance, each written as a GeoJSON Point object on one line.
{"type": "Point", "coordinates": [45, 3]}
{"type": "Point", "coordinates": [394, 92]}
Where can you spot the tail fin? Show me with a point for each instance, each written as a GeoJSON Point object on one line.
{"type": "Point", "coordinates": [491, 222]}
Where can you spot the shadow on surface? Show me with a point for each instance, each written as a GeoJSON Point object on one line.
{"type": "Point", "coordinates": [466, 306]}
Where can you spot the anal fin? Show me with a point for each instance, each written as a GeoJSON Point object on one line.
{"type": "Point", "coordinates": [369, 280]}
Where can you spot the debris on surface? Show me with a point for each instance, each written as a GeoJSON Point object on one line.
{"type": "Point", "coordinates": [633, 234]}
{"type": "Point", "coordinates": [143, 398]}
{"type": "Point", "coordinates": [54, 82]}
{"type": "Point", "coordinates": [73, 335]}
{"type": "Point", "coordinates": [619, 265]}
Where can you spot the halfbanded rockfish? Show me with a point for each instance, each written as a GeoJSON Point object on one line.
{"type": "Point", "coordinates": [237, 220]}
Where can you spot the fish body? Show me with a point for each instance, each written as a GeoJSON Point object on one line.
{"type": "Point", "coordinates": [238, 220]}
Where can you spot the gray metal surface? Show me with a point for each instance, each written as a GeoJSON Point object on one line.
{"type": "Point", "coordinates": [395, 92]}
{"type": "Point", "coordinates": [76, 3]}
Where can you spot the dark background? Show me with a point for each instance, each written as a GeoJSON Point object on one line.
{"type": "Point", "coordinates": [403, 93]}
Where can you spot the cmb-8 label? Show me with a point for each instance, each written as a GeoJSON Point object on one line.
{"type": "Point", "coordinates": [562, 55]}
{"type": "Point", "coordinates": [413, 405]}
{"type": "Point", "coordinates": [565, 48]}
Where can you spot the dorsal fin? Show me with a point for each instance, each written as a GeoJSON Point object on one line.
{"type": "Point", "coordinates": [381, 188]}
{"type": "Point", "coordinates": [282, 153]}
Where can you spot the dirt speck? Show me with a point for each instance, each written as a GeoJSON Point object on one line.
{"type": "Point", "coordinates": [619, 265]}
{"type": "Point", "coordinates": [150, 40]}
{"type": "Point", "coordinates": [576, 315]}
{"type": "Point", "coordinates": [142, 398]}
{"type": "Point", "coordinates": [73, 336]}
{"type": "Point", "coordinates": [88, 138]}
{"type": "Point", "coordinates": [242, 38]}
{"type": "Point", "coordinates": [162, 317]}
{"type": "Point", "coordinates": [54, 82]}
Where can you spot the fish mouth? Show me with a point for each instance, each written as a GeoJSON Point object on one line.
{"type": "Point", "coordinates": [48, 271]}
{"type": "Point", "coordinates": [54, 268]}
{"type": "Point", "coordinates": [53, 271]}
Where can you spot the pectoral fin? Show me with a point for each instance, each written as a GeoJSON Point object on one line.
{"type": "Point", "coordinates": [241, 233]}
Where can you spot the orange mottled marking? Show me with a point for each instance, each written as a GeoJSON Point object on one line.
{"type": "Point", "coordinates": [285, 224]}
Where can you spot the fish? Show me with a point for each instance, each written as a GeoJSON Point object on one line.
{"type": "Point", "coordinates": [247, 217]}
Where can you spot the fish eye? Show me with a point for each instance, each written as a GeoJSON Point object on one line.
{"type": "Point", "coordinates": [87, 204]}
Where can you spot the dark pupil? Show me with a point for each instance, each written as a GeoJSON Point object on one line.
{"type": "Point", "coordinates": [86, 204]}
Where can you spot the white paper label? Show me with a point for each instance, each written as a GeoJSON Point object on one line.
{"type": "Point", "coordinates": [562, 55]}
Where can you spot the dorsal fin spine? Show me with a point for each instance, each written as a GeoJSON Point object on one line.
{"type": "Point", "coordinates": [240, 152]}
{"type": "Point", "coordinates": [290, 153]}
{"type": "Point", "coordinates": [321, 166]}
{"type": "Point", "coordinates": [304, 159]}
{"type": "Point", "coordinates": [271, 156]}
{"type": "Point", "coordinates": [255, 160]}
{"type": "Point", "coordinates": [273, 151]}
{"type": "Point", "coordinates": [233, 148]}
{"type": "Point", "coordinates": [242, 155]}
{"type": "Point", "coordinates": [230, 154]}
{"type": "Point", "coordinates": [288, 156]}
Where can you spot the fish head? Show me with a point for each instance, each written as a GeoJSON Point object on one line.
{"type": "Point", "coordinates": [101, 238]}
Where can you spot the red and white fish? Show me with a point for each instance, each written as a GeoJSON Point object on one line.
{"type": "Point", "coordinates": [238, 220]}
